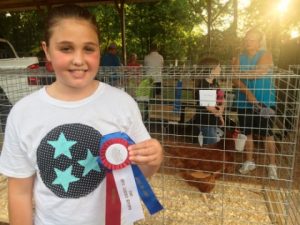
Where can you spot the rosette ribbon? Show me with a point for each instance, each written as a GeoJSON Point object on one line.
{"type": "Point", "coordinates": [125, 183]}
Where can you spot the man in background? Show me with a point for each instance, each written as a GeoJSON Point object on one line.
{"type": "Point", "coordinates": [108, 61]}
{"type": "Point", "coordinates": [110, 58]}
{"type": "Point", "coordinates": [153, 63]}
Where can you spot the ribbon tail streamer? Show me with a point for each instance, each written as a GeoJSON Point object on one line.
{"type": "Point", "coordinates": [145, 191]}
{"type": "Point", "coordinates": [113, 203]}
{"type": "Point", "coordinates": [130, 201]}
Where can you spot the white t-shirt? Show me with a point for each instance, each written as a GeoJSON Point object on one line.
{"type": "Point", "coordinates": [59, 142]}
{"type": "Point", "coordinates": [153, 63]}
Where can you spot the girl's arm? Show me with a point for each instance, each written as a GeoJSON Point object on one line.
{"type": "Point", "coordinates": [243, 88]}
{"type": "Point", "coordinates": [20, 200]}
{"type": "Point", "coordinates": [148, 155]}
{"type": "Point", "coordinates": [214, 110]}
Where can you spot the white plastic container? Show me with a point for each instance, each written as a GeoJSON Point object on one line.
{"type": "Point", "coordinates": [200, 139]}
{"type": "Point", "coordinates": [240, 142]}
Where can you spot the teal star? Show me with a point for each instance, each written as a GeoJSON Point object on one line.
{"type": "Point", "coordinates": [64, 178]}
{"type": "Point", "coordinates": [90, 163]}
{"type": "Point", "coordinates": [62, 146]}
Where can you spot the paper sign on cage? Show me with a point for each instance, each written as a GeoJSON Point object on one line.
{"type": "Point", "coordinates": [125, 183]}
{"type": "Point", "coordinates": [207, 97]}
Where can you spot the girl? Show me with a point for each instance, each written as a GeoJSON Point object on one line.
{"type": "Point", "coordinates": [52, 136]}
{"type": "Point", "coordinates": [209, 117]}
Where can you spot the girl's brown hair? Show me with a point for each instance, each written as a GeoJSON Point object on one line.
{"type": "Point", "coordinates": [69, 11]}
{"type": "Point", "coordinates": [208, 64]}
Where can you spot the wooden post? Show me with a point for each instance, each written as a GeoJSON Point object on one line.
{"type": "Point", "coordinates": [209, 23]}
{"type": "Point", "coordinates": [121, 10]}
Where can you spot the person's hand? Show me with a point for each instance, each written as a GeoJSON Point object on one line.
{"type": "Point", "coordinates": [222, 122]}
{"type": "Point", "coordinates": [211, 109]}
{"type": "Point", "coordinates": [235, 70]}
{"type": "Point", "coordinates": [218, 112]}
{"type": "Point", "coordinates": [221, 109]}
{"type": "Point", "coordinates": [149, 152]}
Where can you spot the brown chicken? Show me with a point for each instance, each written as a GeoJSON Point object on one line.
{"type": "Point", "coordinates": [201, 166]}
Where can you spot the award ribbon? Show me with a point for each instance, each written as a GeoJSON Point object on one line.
{"type": "Point", "coordinates": [125, 183]}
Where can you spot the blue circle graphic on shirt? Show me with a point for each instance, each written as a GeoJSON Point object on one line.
{"type": "Point", "coordinates": [67, 158]}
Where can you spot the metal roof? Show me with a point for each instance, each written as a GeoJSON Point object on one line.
{"type": "Point", "coordinates": [8, 5]}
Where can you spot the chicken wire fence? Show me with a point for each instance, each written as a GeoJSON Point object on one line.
{"type": "Point", "coordinates": [199, 182]}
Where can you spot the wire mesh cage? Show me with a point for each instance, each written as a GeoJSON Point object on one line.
{"type": "Point", "coordinates": [198, 118]}
{"type": "Point", "coordinates": [214, 169]}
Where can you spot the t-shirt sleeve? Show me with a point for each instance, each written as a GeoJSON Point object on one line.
{"type": "Point", "coordinates": [14, 161]}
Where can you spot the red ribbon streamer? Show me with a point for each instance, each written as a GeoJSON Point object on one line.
{"type": "Point", "coordinates": [113, 203]}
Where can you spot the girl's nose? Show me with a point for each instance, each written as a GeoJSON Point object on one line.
{"type": "Point", "coordinates": [78, 58]}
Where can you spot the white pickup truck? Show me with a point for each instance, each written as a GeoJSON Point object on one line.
{"type": "Point", "coordinates": [9, 58]}
{"type": "Point", "coordinates": [19, 76]}
{"type": "Point", "coordinates": [15, 77]}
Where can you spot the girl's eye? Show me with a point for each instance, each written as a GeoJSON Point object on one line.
{"type": "Point", "coordinates": [89, 49]}
{"type": "Point", "coordinates": [65, 49]}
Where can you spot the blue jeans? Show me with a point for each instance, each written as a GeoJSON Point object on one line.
{"type": "Point", "coordinates": [209, 133]}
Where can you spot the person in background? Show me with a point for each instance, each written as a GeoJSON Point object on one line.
{"type": "Point", "coordinates": [255, 99]}
{"type": "Point", "coordinates": [154, 63]}
{"type": "Point", "coordinates": [110, 63]}
{"type": "Point", "coordinates": [110, 58]}
{"type": "Point", "coordinates": [133, 60]}
{"type": "Point", "coordinates": [133, 74]}
{"type": "Point", "coordinates": [51, 157]}
{"type": "Point", "coordinates": [209, 117]}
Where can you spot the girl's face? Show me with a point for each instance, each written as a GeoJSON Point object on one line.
{"type": "Point", "coordinates": [215, 72]}
{"type": "Point", "coordinates": [73, 50]}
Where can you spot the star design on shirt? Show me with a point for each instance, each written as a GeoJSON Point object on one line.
{"type": "Point", "coordinates": [90, 163]}
{"type": "Point", "coordinates": [64, 178]}
{"type": "Point", "coordinates": [62, 146]}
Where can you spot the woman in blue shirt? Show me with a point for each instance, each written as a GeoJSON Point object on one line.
{"type": "Point", "coordinates": [255, 99]}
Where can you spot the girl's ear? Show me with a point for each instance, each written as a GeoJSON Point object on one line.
{"type": "Point", "coordinates": [45, 48]}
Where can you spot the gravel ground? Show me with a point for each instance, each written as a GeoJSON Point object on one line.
{"type": "Point", "coordinates": [228, 204]}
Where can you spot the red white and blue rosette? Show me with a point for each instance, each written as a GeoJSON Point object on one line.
{"type": "Point", "coordinates": [125, 183]}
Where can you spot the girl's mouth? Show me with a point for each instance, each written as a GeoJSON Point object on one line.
{"type": "Point", "coordinates": [78, 72]}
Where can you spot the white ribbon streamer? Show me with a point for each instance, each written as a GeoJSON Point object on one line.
{"type": "Point", "coordinates": [130, 201]}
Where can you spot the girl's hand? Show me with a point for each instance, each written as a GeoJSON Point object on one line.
{"type": "Point", "coordinates": [215, 110]}
{"type": "Point", "coordinates": [148, 152]}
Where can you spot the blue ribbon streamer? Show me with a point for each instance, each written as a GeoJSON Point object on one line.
{"type": "Point", "coordinates": [144, 189]}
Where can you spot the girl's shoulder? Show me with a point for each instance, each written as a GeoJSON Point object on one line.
{"type": "Point", "coordinates": [27, 105]}
{"type": "Point", "coordinates": [116, 94]}
{"type": "Point", "coordinates": [31, 98]}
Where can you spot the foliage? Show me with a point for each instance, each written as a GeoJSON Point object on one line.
{"type": "Point", "coordinates": [177, 26]}
{"type": "Point", "coordinates": [24, 30]}
{"type": "Point", "coordinates": [109, 25]}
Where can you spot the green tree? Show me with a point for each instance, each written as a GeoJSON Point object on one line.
{"type": "Point", "coordinates": [183, 29]}
{"type": "Point", "coordinates": [24, 30]}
